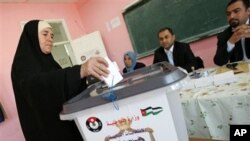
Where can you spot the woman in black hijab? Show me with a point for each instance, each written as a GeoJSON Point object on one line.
{"type": "Point", "coordinates": [41, 86]}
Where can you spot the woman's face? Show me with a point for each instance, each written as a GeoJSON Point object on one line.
{"type": "Point", "coordinates": [127, 61]}
{"type": "Point", "coordinates": [46, 40]}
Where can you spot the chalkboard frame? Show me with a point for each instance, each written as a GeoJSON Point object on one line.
{"type": "Point", "coordinates": [139, 3]}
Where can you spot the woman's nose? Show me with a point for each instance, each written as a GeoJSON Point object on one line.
{"type": "Point", "coordinates": [50, 38]}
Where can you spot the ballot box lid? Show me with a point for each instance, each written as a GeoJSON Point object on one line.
{"type": "Point", "coordinates": [141, 80]}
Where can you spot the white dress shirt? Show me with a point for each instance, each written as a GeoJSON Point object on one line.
{"type": "Point", "coordinates": [169, 54]}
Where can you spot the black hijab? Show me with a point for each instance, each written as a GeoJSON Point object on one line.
{"type": "Point", "coordinates": [41, 87]}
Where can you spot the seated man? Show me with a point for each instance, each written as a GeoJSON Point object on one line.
{"type": "Point", "coordinates": [234, 42]}
{"type": "Point", "coordinates": [174, 52]}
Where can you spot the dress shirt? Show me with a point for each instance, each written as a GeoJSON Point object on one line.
{"type": "Point", "coordinates": [170, 54]}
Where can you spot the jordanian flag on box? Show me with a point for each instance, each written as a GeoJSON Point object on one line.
{"type": "Point", "coordinates": [150, 110]}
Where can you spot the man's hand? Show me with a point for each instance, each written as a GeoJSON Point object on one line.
{"type": "Point", "coordinates": [242, 31]}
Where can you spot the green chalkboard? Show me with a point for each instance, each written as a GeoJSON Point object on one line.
{"type": "Point", "coordinates": [190, 20]}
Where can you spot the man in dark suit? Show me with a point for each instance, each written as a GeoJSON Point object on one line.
{"type": "Point", "coordinates": [174, 52]}
{"type": "Point", "coordinates": [234, 42]}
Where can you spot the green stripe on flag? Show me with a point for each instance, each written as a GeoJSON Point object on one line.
{"type": "Point", "coordinates": [150, 110]}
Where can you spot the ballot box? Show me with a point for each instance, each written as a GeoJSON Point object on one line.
{"type": "Point", "coordinates": [144, 106]}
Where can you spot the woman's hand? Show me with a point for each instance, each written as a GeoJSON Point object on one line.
{"type": "Point", "coordinates": [95, 66]}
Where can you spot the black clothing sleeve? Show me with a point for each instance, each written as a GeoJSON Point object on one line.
{"type": "Point", "coordinates": [41, 87]}
{"type": "Point", "coordinates": [222, 56]}
{"type": "Point", "coordinates": [139, 65]}
{"type": "Point", "coordinates": [40, 98]}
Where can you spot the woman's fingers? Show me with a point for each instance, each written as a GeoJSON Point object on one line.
{"type": "Point", "coordinates": [97, 67]}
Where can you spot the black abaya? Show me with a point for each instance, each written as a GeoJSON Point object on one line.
{"type": "Point", "coordinates": [41, 87]}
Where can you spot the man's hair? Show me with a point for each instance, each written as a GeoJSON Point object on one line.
{"type": "Point", "coordinates": [245, 3]}
{"type": "Point", "coordinates": [165, 28]}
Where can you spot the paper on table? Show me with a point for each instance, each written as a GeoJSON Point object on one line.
{"type": "Point", "coordinates": [226, 77]}
{"type": "Point", "coordinates": [114, 76]}
{"type": "Point", "coordinates": [204, 81]}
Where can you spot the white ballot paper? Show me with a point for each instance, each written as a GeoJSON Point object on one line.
{"type": "Point", "coordinates": [114, 76]}
{"type": "Point", "coordinates": [225, 77]}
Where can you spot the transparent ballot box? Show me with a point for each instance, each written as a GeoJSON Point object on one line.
{"type": "Point", "coordinates": [144, 106]}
